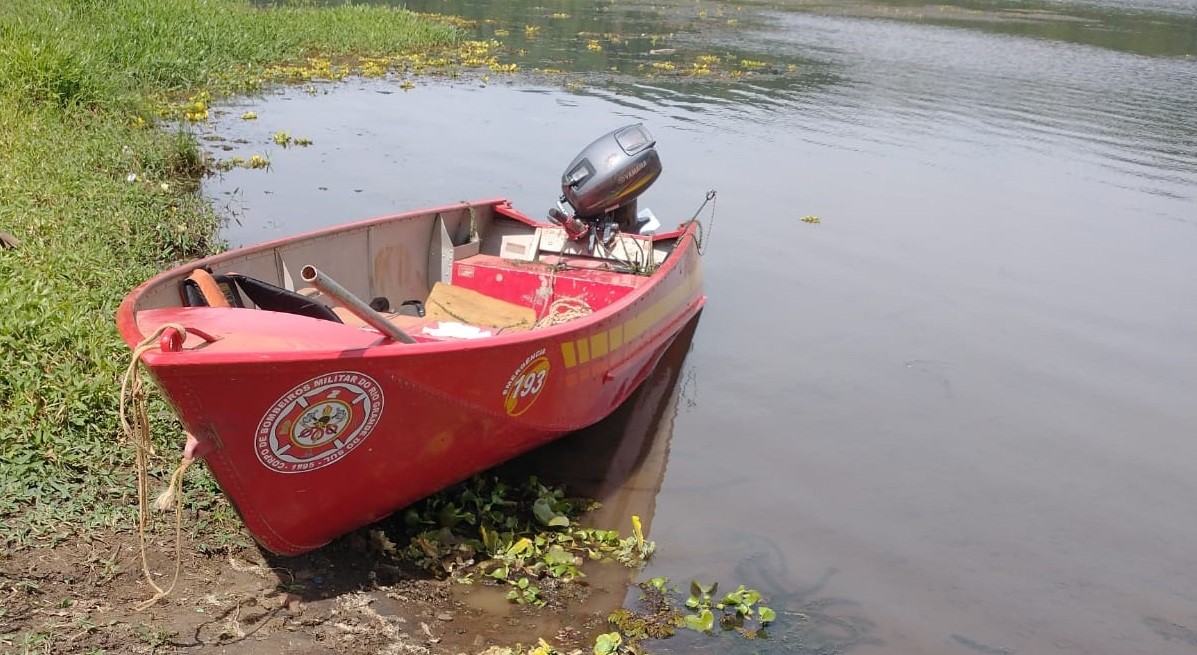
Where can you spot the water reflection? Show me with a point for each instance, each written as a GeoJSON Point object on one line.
{"type": "Point", "coordinates": [620, 462]}
{"type": "Point", "coordinates": [1136, 115]}
{"type": "Point", "coordinates": [695, 53]}
{"type": "Point", "coordinates": [1153, 28]}
{"type": "Point", "coordinates": [1115, 78]}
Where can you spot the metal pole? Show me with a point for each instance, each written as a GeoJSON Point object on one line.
{"type": "Point", "coordinates": [327, 285]}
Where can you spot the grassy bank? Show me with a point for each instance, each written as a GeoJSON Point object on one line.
{"type": "Point", "coordinates": [99, 189]}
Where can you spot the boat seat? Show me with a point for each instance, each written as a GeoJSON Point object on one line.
{"type": "Point", "coordinates": [201, 288]}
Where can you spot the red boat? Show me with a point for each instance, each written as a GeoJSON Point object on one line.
{"type": "Point", "coordinates": [331, 378]}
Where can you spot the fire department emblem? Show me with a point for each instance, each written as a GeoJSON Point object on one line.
{"type": "Point", "coordinates": [318, 422]}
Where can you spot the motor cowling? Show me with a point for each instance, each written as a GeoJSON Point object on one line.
{"type": "Point", "coordinates": [610, 173]}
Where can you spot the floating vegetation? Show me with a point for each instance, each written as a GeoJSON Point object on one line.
{"type": "Point", "coordinates": [523, 536]}
{"type": "Point", "coordinates": [659, 614]}
{"type": "Point", "coordinates": [315, 68]}
{"type": "Point", "coordinates": [249, 116]}
{"type": "Point", "coordinates": [454, 21]}
{"type": "Point", "coordinates": [195, 108]}
{"type": "Point", "coordinates": [285, 140]}
{"type": "Point", "coordinates": [812, 219]}
{"type": "Point", "coordinates": [253, 162]}
{"type": "Point", "coordinates": [671, 62]}
{"type": "Point", "coordinates": [452, 61]}
{"type": "Point", "coordinates": [370, 67]}
{"type": "Point", "coordinates": [739, 621]}
{"type": "Point", "coordinates": [656, 615]}
{"type": "Point", "coordinates": [735, 611]}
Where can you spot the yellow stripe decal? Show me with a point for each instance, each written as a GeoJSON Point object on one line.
{"type": "Point", "coordinates": [575, 353]}
{"type": "Point", "coordinates": [615, 337]}
{"type": "Point", "coordinates": [567, 354]}
{"type": "Point", "coordinates": [598, 345]}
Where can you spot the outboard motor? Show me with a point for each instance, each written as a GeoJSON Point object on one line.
{"type": "Point", "coordinates": [602, 183]}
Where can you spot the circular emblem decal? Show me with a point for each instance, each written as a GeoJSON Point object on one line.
{"type": "Point", "coordinates": [524, 387]}
{"type": "Point", "coordinates": [318, 422]}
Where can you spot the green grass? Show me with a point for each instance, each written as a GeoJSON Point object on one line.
{"type": "Point", "coordinates": [105, 52]}
{"type": "Point", "coordinates": [101, 195]}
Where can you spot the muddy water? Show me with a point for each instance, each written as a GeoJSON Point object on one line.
{"type": "Point", "coordinates": [958, 414]}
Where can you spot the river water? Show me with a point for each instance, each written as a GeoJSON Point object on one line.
{"type": "Point", "coordinates": [958, 414]}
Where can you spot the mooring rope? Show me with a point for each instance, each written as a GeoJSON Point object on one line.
{"type": "Point", "coordinates": [564, 310]}
{"type": "Point", "coordinates": [137, 429]}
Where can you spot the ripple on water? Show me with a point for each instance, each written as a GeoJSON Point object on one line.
{"type": "Point", "coordinates": [1135, 114]}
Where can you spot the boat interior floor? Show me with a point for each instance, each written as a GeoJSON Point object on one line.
{"type": "Point", "coordinates": [485, 295]}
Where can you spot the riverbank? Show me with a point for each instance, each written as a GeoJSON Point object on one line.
{"type": "Point", "coordinates": [99, 181]}
{"type": "Point", "coordinates": [98, 186]}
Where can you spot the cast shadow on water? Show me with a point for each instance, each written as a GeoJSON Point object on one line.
{"type": "Point", "coordinates": [1171, 631]}
{"type": "Point", "coordinates": [811, 622]}
{"type": "Point", "coordinates": [808, 621]}
{"type": "Point", "coordinates": [621, 462]}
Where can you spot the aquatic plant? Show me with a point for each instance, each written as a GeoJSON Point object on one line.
{"type": "Point", "coordinates": [661, 610]}
{"type": "Point", "coordinates": [516, 534]}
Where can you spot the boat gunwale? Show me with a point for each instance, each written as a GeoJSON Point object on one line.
{"type": "Point", "coordinates": [132, 333]}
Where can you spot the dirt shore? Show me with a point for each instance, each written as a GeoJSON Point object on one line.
{"type": "Point", "coordinates": [346, 598]}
